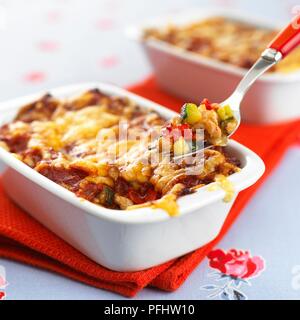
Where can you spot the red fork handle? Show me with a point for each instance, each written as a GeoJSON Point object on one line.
{"type": "Point", "coordinates": [288, 39]}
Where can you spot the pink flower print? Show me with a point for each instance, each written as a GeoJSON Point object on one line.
{"type": "Point", "coordinates": [48, 46]}
{"type": "Point", "coordinates": [35, 77]}
{"type": "Point", "coordinates": [109, 61]}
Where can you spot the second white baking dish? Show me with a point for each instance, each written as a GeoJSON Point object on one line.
{"type": "Point", "coordinates": [121, 240]}
{"type": "Point", "coordinates": [273, 98]}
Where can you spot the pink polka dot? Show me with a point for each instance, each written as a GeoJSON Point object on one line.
{"type": "Point", "coordinates": [105, 24]}
{"type": "Point", "coordinates": [35, 77]}
{"type": "Point", "coordinates": [109, 61]}
{"type": "Point", "coordinates": [53, 16]}
{"type": "Point", "coordinates": [48, 46]}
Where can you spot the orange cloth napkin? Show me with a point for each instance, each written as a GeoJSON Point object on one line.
{"type": "Point", "coordinates": [24, 239]}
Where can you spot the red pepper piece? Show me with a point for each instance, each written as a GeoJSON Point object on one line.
{"type": "Point", "coordinates": [137, 198]}
{"type": "Point", "coordinates": [178, 131]}
{"type": "Point", "coordinates": [207, 104]}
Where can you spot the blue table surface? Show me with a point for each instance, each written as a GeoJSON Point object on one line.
{"type": "Point", "coordinates": [62, 42]}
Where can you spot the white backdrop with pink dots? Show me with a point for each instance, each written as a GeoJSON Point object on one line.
{"type": "Point", "coordinates": [54, 42]}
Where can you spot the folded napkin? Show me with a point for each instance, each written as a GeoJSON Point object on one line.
{"type": "Point", "coordinates": [24, 239]}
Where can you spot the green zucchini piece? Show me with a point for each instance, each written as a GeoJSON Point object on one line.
{"type": "Point", "coordinates": [190, 113]}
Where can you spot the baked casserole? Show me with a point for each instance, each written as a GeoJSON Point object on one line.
{"type": "Point", "coordinates": [225, 40]}
{"type": "Point", "coordinates": [78, 144]}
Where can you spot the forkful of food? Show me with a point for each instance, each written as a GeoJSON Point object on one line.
{"type": "Point", "coordinates": [219, 121]}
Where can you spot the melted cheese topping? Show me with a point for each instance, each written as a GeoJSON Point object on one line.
{"type": "Point", "coordinates": [80, 147]}
{"type": "Point", "coordinates": [225, 184]}
{"type": "Point", "coordinates": [167, 203]}
{"type": "Point", "coordinates": [226, 40]}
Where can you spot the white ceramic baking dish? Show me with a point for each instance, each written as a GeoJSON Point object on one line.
{"type": "Point", "coordinates": [121, 240]}
{"type": "Point", "coordinates": [273, 98]}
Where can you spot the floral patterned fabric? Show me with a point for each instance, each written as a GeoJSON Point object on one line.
{"type": "Point", "coordinates": [235, 267]}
